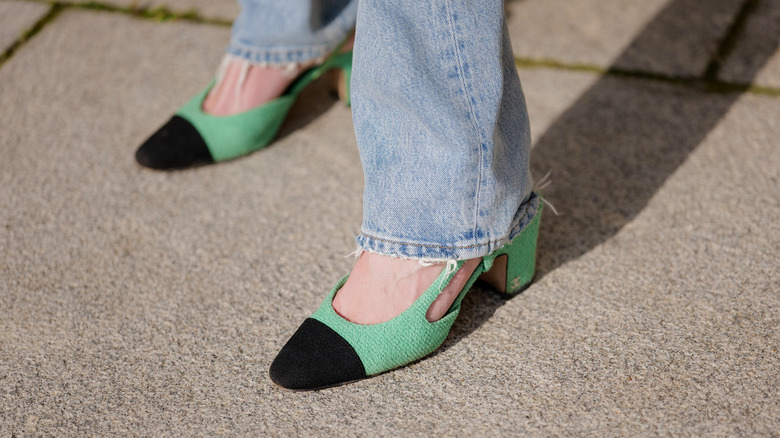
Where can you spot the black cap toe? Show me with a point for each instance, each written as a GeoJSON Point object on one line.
{"type": "Point", "coordinates": [176, 145]}
{"type": "Point", "coordinates": [316, 357]}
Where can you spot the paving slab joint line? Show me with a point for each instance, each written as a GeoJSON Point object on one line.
{"type": "Point", "coordinates": [705, 84]}
{"type": "Point", "coordinates": [158, 13]}
{"type": "Point", "coordinates": [730, 39]}
{"type": "Point", "coordinates": [54, 10]}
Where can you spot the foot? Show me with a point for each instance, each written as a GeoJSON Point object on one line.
{"type": "Point", "coordinates": [381, 287]}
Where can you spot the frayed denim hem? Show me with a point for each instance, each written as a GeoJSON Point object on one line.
{"type": "Point", "coordinates": [279, 57]}
{"type": "Point", "coordinates": [433, 253]}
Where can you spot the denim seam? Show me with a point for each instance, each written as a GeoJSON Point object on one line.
{"type": "Point", "coordinates": [504, 237]}
{"type": "Point", "coordinates": [521, 220]}
{"type": "Point", "coordinates": [459, 60]}
{"type": "Point", "coordinates": [428, 246]}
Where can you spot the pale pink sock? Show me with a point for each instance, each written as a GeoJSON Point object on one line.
{"type": "Point", "coordinates": [243, 86]}
{"type": "Point", "coordinates": [381, 287]}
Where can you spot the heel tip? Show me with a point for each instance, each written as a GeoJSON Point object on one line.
{"type": "Point", "coordinates": [517, 285]}
{"type": "Point", "coordinates": [338, 85]}
{"type": "Point", "coordinates": [509, 292]}
{"type": "Point", "coordinates": [520, 289]}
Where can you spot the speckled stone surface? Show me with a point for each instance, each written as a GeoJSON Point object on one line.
{"type": "Point", "coordinates": [17, 17]}
{"type": "Point", "coordinates": [141, 303]}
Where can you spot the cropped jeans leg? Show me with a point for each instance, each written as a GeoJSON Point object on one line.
{"type": "Point", "coordinates": [442, 129]}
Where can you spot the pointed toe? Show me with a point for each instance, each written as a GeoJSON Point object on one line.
{"type": "Point", "coordinates": [316, 357]}
{"type": "Point", "coordinates": [176, 145]}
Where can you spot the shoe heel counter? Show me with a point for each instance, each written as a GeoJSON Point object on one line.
{"type": "Point", "coordinates": [514, 266]}
{"type": "Point", "coordinates": [521, 263]}
{"type": "Point", "coordinates": [347, 98]}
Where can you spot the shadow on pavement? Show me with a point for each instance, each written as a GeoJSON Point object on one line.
{"type": "Point", "coordinates": [612, 149]}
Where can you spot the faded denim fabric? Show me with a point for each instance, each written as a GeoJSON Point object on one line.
{"type": "Point", "coordinates": [439, 115]}
{"type": "Point", "coordinates": [280, 32]}
{"type": "Point", "coordinates": [442, 129]}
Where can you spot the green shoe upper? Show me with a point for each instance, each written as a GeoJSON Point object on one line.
{"type": "Point", "coordinates": [410, 336]}
{"type": "Point", "coordinates": [403, 339]}
{"type": "Point", "coordinates": [239, 134]}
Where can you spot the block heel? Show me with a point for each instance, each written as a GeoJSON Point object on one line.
{"type": "Point", "coordinates": [512, 267]}
{"type": "Point", "coordinates": [340, 80]}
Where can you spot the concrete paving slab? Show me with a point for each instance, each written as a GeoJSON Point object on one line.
{"type": "Point", "coordinates": [681, 187]}
{"type": "Point", "coordinates": [678, 287]}
{"type": "Point", "coordinates": [16, 18]}
{"type": "Point", "coordinates": [135, 302]}
{"type": "Point", "coordinates": [756, 57]}
{"type": "Point", "coordinates": [77, 207]}
{"type": "Point", "coordinates": [545, 97]}
{"type": "Point", "coordinates": [669, 37]}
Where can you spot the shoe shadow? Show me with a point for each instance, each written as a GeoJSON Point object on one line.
{"type": "Point", "coordinates": [313, 102]}
{"type": "Point", "coordinates": [477, 307]}
{"type": "Point", "coordinates": [612, 149]}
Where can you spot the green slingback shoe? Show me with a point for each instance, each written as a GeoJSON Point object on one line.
{"type": "Point", "coordinates": [194, 138]}
{"type": "Point", "coordinates": [328, 350]}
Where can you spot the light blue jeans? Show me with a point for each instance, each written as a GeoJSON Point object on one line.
{"type": "Point", "coordinates": [438, 110]}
